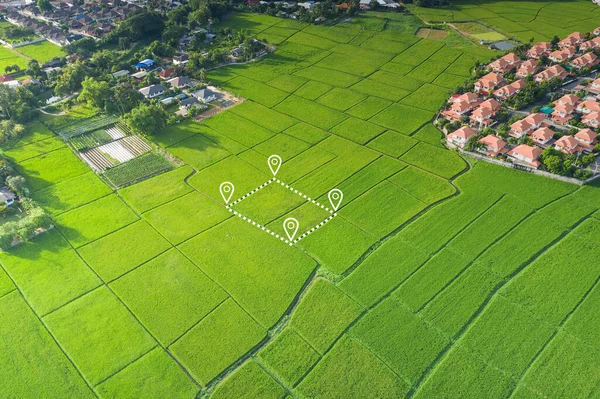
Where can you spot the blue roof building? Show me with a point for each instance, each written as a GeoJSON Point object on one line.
{"type": "Point", "coordinates": [146, 64]}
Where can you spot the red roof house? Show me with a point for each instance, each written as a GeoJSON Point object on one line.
{"type": "Point", "coordinates": [460, 137]}
{"type": "Point", "coordinates": [539, 49]}
{"type": "Point", "coordinates": [567, 144]}
{"type": "Point", "coordinates": [525, 154]}
{"type": "Point", "coordinates": [482, 116]}
{"type": "Point", "coordinates": [588, 60]}
{"type": "Point", "coordinates": [562, 55]}
{"type": "Point", "coordinates": [494, 145]}
{"type": "Point", "coordinates": [542, 136]}
{"type": "Point", "coordinates": [492, 104]}
{"type": "Point", "coordinates": [592, 120]}
{"type": "Point", "coordinates": [527, 68]}
{"type": "Point", "coordinates": [555, 71]}
{"type": "Point", "coordinates": [488, 82]}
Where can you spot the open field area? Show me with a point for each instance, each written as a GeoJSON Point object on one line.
{"type": "Point", "coordinates": [521, 20]}
{"type": "Point", "coordinates": [438, 277]}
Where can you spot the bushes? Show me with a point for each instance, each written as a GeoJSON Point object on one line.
{"type": "Point", "coordinates": [23, 229]}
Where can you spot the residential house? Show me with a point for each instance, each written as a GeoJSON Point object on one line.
{"type": "Point", "coordinates": [536, 119]}
{"type": "Point", "coordinates": [153, 91]}
{"type": "Point", "coordinates": [570, 99]}
{"type": "Point", "coordinates": [31, 81]}
{"type": "Point", "coordinates": [145, 65]}
{"type": "Point", "coordinates": [562, 55]}
{"type": "Point", "coordinates": [510, 90]}
{"type": "Point", "coordinates": [542, 135]}
{"type": "Point", "coordinates": [237, 52]}
{"type": "Point", "coordinates": [588, 60]}
{"type": "Point", "coordinates": [520, 128]}
{"type": "Point", "coordinates": [166, 73]}
{"type": "Point", "coordinates": [488, 82]}
{"type": "Point", "coordinates": [567, 144]}
{"type": "Point", "coordinates": [205, 95]}
{"type": "Point", "coordinates": [527, 68]}
{"type": "Point", "coordinates": [469, 98]}
{"type": "Point", "coordinates": [563, 113]}
{"type": "Point", "coordinates": [120, 74]}
{"type": "Point", "coordinates": [596, 31]}
{"type": "Point", "coordinates": [492, 104]}
{"type": "Point", "coordinates": [181, 59]}
{"type": "Point", "coordinates": [592, 44]}
{"type": "Point", "coordinates": [188, 102]}
{"type": "Point", "coordinates": [588, 106]}
{"type": "Point", "coordinates": [555, 71]}
{"type": "Point", "coordinates": [505, 64]}
{"type": "Point", "coordinates": [180, 82]}
{"type": "Point", "coordinates": [526, 154]}
{"type": "Point", "coordinates": [482, 116]}
{"type": "Point", "coordinates": [460, 137]}
{"type": "Point", "coordinates": [494, 145]}
{"type": "Point", "coordinates": [587, 139]}
{"type": "Point", "coordinates": [539, 50]}
{"type": "Point", "coordinates": [591, 120]}
{"type": "Point", "coordinates": [573, 39]}
{"type": "Point", "coordinates": [594, 87]}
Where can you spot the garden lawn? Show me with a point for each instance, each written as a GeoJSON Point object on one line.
{"type": "Point", "coordinates": [42, 51]}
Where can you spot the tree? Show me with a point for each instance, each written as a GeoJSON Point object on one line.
{"type": "Point", "coordinates": [35, 70]}
{"type": "Point", "coordinates": [94, 93]}
{"type": "Point", "coordinates": [9, 130]}
{"type": "Point", "coordinates": [123, 100]}
{"type": "Point", "coordinates": [146, 119]}
{"type": "Point", "coordinates": [17, 184]}
{"type": "Point", "coordinates": [553, 164]}
{"type": "Point", "coordinates": [44, 5]}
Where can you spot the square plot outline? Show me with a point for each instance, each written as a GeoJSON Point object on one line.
{"type": "Point", "coordinates": [229, 206]}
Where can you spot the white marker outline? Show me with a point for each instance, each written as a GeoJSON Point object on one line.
{"type": "Point", "coordinates": [286, 227]}
{"type": "Point", "coordinates": [270, 163]}
{"type": "Point", "coordinates": [332, 214]}
{"type": "Point", "coordinates": [221, 190]}
{"type": "Point", "coordinates": [330, 195]}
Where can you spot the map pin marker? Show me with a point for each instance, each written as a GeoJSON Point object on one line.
{"type": "Point", "coordinates": [226, 188]}
{"type": "Point", "coordinates": [274, 163]}
{"type": "Point", "coordinates": [290, 225]}
{"type": "Point", "coordinates": [335, 198]}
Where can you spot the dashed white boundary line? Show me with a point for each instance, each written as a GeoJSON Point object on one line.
{"type": "Point", "coordinates": [332, 214]}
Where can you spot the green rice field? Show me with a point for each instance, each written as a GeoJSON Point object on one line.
{"type": "Point", "coordinates": [437, 277]}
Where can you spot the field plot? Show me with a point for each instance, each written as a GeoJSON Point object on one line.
{"type": "Point", "coordinates": [42, 51]}
{"type": "Point", "coordinates": [436, 277]}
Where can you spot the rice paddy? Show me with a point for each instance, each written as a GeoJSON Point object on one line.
{"type": "Point", "coordinates": [432, 264]}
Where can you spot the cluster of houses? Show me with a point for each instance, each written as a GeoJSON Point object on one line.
{"type": "Point", "coordinates": [94, 19]}
{"type": "Point", "coordinates": [480, 106]}
{"type": "Point", "coordinates": [173, 82]}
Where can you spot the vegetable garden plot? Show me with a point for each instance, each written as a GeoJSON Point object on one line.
{"type": "Point", "coordinates": [357, 130]}
{"type": "Point", "coordinates": [282, 144]}
{"type": "Point", "coordinates": [429, 97]}
{"type": "Point", "coordinates": [84, 126]}
{"type": "Point", "coordinates": [381, 90]}
{"type": "Point", "coordinates": [310, 112]}
{"type": "Point", "coordinates": [328, 76]}
{"type": "Point", "coordinates": [341, 99]}
{"type": "Point", "coordinates": [199, 151]}
{"type": "Point", "coordinates": [422, 185]}
{"type": "Point", "coordinates": [402, 118]}
{"type": "Point", "coordinates": [369, 107]}
{"type": "Point", "coordinates": [239, 129]}
{"type": "Point", "coordinates": [24, 152]}
{"type": "Point", "coordinates": [288, 83]}
{"type": "Point", "coordinates": [259, 92]}
{"type": "Point", "coordinates": [435, 160]}
{"type": "Point", "coordinates": [265, 117]}
{"type": "Point", "coordinates": [392, 143]}
{"type": "Point", "coordinates": [312, 90]}
{"type": "Point", "coordinates": [51, 168]}
{"type": "Point", "coordinates": [140, 168]}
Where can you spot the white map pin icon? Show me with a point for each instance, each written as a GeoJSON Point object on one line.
{"type": "Point", "coordinates": [290, 225]}
{"type": "Point", "coordinates": [335, 198]}
{"type": "Point", "coordinates": [226, 188]}
{"type": "Point", "coordinates": [274, 163]}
